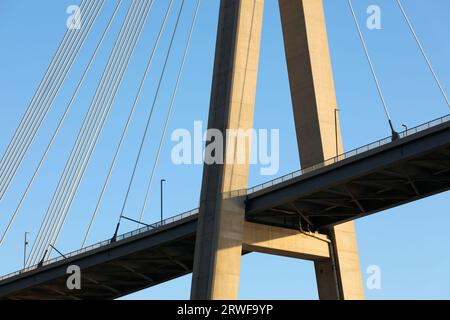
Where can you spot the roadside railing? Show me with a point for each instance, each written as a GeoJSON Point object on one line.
{"type": "Point", "coordinates": [95, 246]}
{"type": "Point", "coordinates": [349, 154]}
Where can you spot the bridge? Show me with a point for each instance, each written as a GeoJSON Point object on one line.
{"type": "Point", "coordinates": [364, 181]}
{"type": "Point", "coordinates": [307, 214]}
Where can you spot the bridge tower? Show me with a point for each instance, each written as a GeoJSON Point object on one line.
{"type": "Point", "coordinates": [223, 234]}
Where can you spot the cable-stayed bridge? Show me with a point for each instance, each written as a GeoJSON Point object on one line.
{"type": "Point", "coordinates": [307, 214]}
{"type": "Point", "coordinates": [396, 173]}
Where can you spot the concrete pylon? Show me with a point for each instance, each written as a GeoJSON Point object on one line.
{"type": "Point", "coordinates": [221, 221]}
{"type": "Point", "coordinates": [222, 231]}
{"type": "Point", "coordinates": [318, 131]}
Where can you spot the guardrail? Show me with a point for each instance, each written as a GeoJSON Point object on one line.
{"type": "Point", "coordinates": [124, 236]}
{"type": "Point", "coordinates": [259, 187]}
{"type": "Point", "coordinates": [349, 154]}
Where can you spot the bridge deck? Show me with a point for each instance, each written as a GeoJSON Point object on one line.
{"type": "Point", "coordinates": [346, 188]}
{"type": "Point", "coordinates": [114, 269]}
{"type": "Point", "coordinates": [390, 175]}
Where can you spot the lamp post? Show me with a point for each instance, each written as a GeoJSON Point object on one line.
{"type": "Point", "coordinates": [25, 244]}
{"type": "Point", "coordinates": [336, 110]}
{"type": "Point", "coordinates": [162, 199]}
{"type": "Point", "coordinates": [406, 129]}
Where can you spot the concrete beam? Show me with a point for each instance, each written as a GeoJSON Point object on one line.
{"type": "Point", "coordinates": [285, 242]}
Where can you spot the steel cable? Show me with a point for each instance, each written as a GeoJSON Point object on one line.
{"type": "Point", "coordinates": [88, 118]}
{"type": "Point", "coordinates": [37, 93]}
{"type": "Point", "coordinates": [31, 116]}
{"type": "Point", "coordinates": [130, 183]}
{"type": "Point", "coordinates": [30, 134]}
{"type": "Point", "coordinates": [94, 130]}
{"type": "Point", "coordinates": [395, 135]}
{"type": "Point", "coordinates": [61, 121]}
{"type": "Point", "coordinates": [81, 174]}
{"type": "Point", "coordinates": [125, 130]}
{"type": "Point", "coordinates": [170, 111]}
{"type": "Point", "coordinates": [51, 216]}
{"type": "Point", "coordinates": [425, 56]}
{"type": "Point", "coordinates": [55, 77]}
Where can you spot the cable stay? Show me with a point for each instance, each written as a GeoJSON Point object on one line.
{"type": "Point", "coordinates": [425, 56]}
{"type": "Point", "coordinates": [87, 139]}
{"type": "Point", "coordinates": [124, 68]}
{"type": "Point", "coordinates": [61, 121]}
{"type": "Point", "coordinates": [63, 204]}
{"type": "Point", "coordinates": [143, 13]}
{"type": "Point", "coordinates": [87, 118]}
{"type": "Point", "coordinates": [61, 51]}
{"type": "Point", "coordinates": [46, 94]}
{"type": "Point", "coordinates": [147, 127]}
{"type": "Point", "coordinates": [170, 111]}
{"type": "Point", "coordinates": [128, 122]}
{"type": "Point", "coordinates": [395, 135]}
{"type": "Point", "coordinates": [18, 149]}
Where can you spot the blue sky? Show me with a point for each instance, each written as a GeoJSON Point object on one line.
{"type": "Point", "coordinates": [408, 243]}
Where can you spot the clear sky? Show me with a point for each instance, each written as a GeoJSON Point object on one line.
{"type": "Point", "coordinates": [408, 243]}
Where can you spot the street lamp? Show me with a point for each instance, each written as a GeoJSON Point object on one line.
{"type": "Point", "coordinates": [406, 128]}
{"type": "Point", "coordinates": [25, 249]}
{"type": "Point", "coordinates": [336, 110]}
{"type": "Point", "coordinates": [162, 212]}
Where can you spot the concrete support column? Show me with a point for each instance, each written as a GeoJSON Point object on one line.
{"type": "Point", "coordinates": [221, 218]}
{"type": "Point", "coordinates": [318, 130]}
{"type": "Point", "coordinates": [340, 277]}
